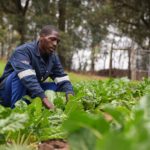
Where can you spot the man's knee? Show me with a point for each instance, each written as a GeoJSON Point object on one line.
{"type": "Point", "coordinates": [14, 89]}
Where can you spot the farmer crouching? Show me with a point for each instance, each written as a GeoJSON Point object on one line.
{"type": "Point", "coordinates": [29, 66]}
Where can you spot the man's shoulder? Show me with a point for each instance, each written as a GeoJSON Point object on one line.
{"type": "Point", "coordinates": [30, 46]}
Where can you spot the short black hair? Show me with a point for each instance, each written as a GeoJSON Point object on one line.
{"type": "Point", "coordinates": [48, 29]}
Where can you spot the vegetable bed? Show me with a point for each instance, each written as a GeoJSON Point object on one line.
{"type": "Point", "coordinates": [112, 114]}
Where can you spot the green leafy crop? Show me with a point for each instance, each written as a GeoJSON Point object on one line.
{"type": "Point", "coordinates": [103, 115]}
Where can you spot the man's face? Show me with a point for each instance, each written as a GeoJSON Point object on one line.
{"type": "Point", "coordinates": [48, 43]}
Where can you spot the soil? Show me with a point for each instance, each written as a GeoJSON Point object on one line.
{"type": "Point", "coordinates": [54, 145]}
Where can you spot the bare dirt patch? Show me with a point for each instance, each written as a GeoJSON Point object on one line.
{"type": "Point", "coordinates": [54, 145]}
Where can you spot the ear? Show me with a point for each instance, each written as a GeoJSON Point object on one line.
{"type": "Point", "coordinates": [41, 37]}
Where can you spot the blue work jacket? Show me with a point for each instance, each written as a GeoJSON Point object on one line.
{"type": "Point", "coordinates": [32, 70]}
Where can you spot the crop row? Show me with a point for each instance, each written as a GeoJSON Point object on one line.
{"type": "Point", "coordinates": [103, 115]}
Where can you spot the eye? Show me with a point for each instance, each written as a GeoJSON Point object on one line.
{"type": "Point", "coordinates": [55, 40]}
{"type": "Point", "coordinates": [52, 39]}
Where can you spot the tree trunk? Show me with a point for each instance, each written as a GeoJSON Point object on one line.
{"type": "Point", "coordinates": [61, 24]}
{"type": "Point", "coordinates": [133, 64]}
{"type": "Point", "coordinates": [110, 61]}
{"type": "Point", "coordinates": [21, 29]}
{"type": "Point", "coordinates": [104, 67]}
{"type": "Point", "coordinates": [129, 63]}
{"type": "Point", "coordinates": [62, 14]}
{"type": "Point", "coordinates": [2, 50]}
{"type": "Point", "coordinates": [92, 60]}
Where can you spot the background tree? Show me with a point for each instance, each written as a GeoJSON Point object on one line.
{"type": "Point", "coordinates": [69, 21]}
{"type": "Point", "coordinates": [8, 37]}
{"type": "Point", "coordinates": [96, 26]}
{"type": "Point", "coordinates": [64, 14]}
{"type": "Point", "coordinates": [83, 24]}
{"type": "Point", "coordinates": [41, 13]}
{"type": "Point", "coordinates": [16, 15]}
{"type": "Point", "coordinates": [132, 17]}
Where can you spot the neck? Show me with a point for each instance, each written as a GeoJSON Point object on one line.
{"type": "Point", "coordinates": [40, 48]}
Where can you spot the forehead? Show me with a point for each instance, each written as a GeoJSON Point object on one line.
{"type": "Point", "coordinates": [54, 34]}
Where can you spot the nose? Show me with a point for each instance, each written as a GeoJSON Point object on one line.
{"type": "Point", "coordinates": [55, 43]}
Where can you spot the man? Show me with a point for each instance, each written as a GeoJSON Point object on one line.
{"type": "Point", "coordinates": [30, 65]}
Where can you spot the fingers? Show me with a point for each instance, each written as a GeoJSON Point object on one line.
{"type": "Point", "coordinates": [67, 97]}
{"type": "Point", "coordinates": [47, 103]}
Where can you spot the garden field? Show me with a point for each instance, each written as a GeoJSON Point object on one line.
{"type": "Point", "coordinates": [104, 114]}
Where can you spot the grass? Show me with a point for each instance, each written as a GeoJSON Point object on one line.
{"type": "Point", "coordinates": [2, 66]}
{"type": "Point", "coordinates": [75, 77]}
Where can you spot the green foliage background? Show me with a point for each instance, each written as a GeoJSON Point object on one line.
{"type": "Point", "coordinates": [84, 24]}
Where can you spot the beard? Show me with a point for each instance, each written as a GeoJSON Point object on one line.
{"type": "Point", "coordinates": [50, 50]}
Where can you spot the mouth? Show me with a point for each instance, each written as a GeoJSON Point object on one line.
{"type": "Point", "coordinates": [51, 49]}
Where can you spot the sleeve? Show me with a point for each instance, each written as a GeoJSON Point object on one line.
{"type": "Point", "coordinates": [60, 78]}
{"type": "Point", "coordinates": [20, 61]}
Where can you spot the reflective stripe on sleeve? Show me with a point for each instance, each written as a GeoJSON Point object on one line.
{"type": "Point", "coordinates": [60, 79]}
{"type": "Point", "coordinates": [25, 73]}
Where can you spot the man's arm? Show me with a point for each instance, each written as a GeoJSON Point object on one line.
{"type": "Point", "coordinates": [47, 103]}
{"type": "Point", "coordinates": [20, 62]}
{"type": "Point", "coordinates": [61, 79]}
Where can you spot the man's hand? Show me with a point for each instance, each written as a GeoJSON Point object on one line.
{"type": "Point", "coordinates": [47, 103]}
{"type": "Point", "coordinates": [67, 97]}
